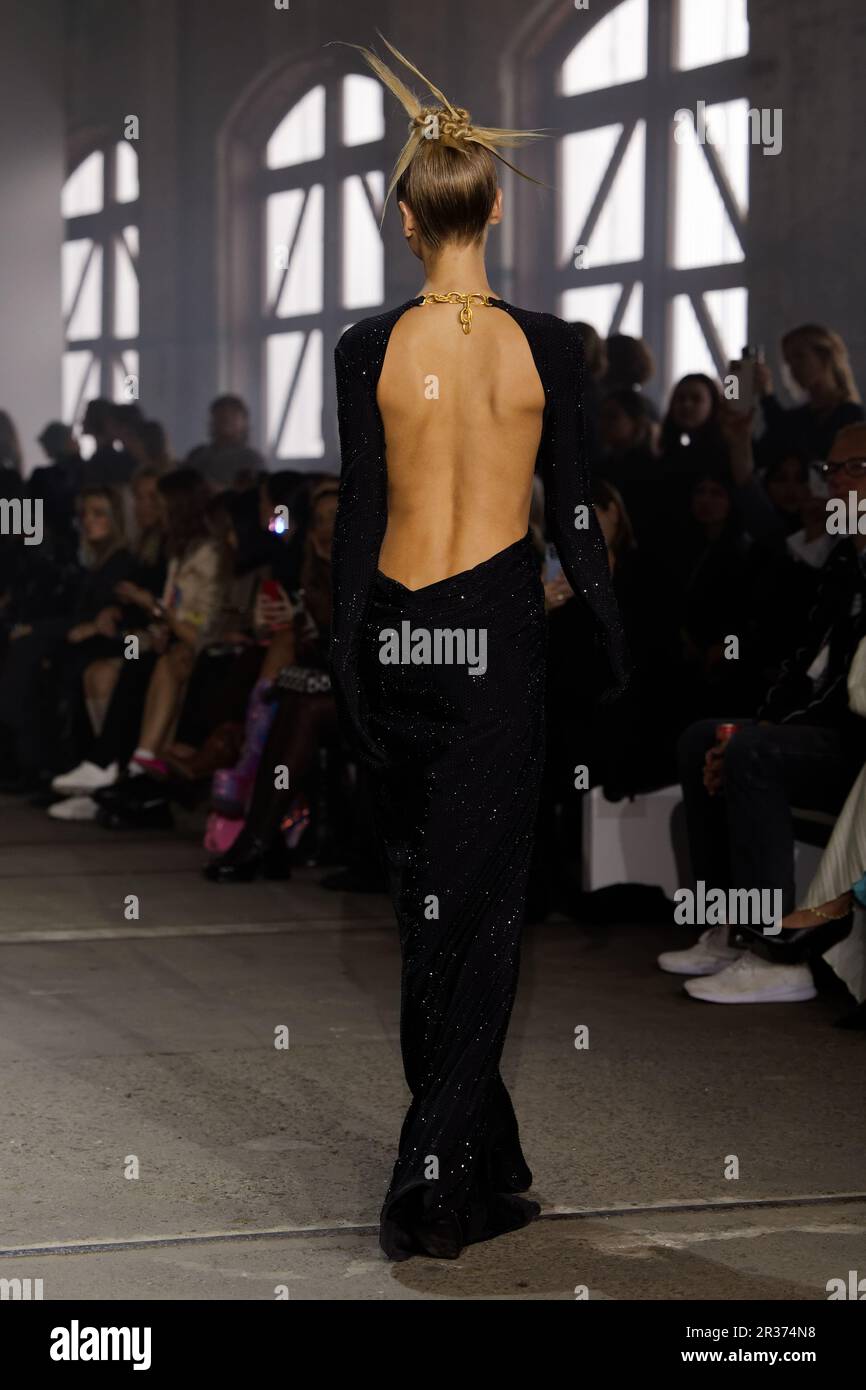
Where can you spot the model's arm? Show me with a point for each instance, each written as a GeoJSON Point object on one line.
{"type": "Point", "coordinates": [570, 518]}
{"type": "Point", "coordinates": [360, 525]}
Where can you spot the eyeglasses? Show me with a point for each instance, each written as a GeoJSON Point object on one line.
{"type": "Point", "coordinates": [855, 468]}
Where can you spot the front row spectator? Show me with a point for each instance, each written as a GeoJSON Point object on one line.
{"type": "Point", "coordinates": [168, 632]}
{"type": "Point", "coordinates": [804, 751]}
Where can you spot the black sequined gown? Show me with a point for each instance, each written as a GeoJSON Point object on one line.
{"type": "Point", "coordinates": [457, 760]}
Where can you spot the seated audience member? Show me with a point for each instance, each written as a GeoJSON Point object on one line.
{"type": "Point", "coordinates": [692, 442]}
{"type": "Point", "coordinates": [100, 675]}
{"type": "Point", "coordinates": [269, 815]}
{"type": "Point", "coordinates": [805, 750]}
{"type": "Point", "coordinates": [831, 923]}
{"type": "Point", "coordinates": [268, 548]}
{"type": "Point", "coordinates": [148, 543]}
{"type": "Point", "coordinates": [69, 640]}
{"type": "Point", "coordinates": [787, 508]}
{"type": "Point", "coordinates": [630, 364]}
{"type": "Point", "coordinates": [817, 359]}
{"type": "Point", "coordinates": [228, 664]}
{"type": "Point", "coordinates": [630, 464]}
{"type": "Point", "coordinates": [58, 483]}
{"type": "Point", "coordinates": [715, 600]}
{"type": "Point", "coordinates": [149, 690]}
{"type": "Point", "coordinates": [107, 466]}
{"type": "Point", "coordinates": [147, 442]}
{"type": "Point", "coordinates": [228, 460]}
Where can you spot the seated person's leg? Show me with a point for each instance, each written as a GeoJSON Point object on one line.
{"type": "Point", "coordinates": [163, 700]}
{"type": "Point", "coordinates": [768, 768]}
{"type": "Point", "coordinates": [705, 814]}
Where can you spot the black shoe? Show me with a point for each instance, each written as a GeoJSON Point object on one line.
{"type": "Point", "coordinates": [797, 944]}
{"type": "Point", "coordinates": [250, 858]}
{"type": "Point", "coordinates": [125, 790]}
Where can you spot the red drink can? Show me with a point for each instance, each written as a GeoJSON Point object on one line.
{"type": "Point", "coordinates": [725, 731]}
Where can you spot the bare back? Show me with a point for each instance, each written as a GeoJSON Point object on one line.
{"type": "Point", "coordinates": [462, 415]}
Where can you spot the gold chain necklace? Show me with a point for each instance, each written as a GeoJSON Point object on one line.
{"type": "Point", "coordinates": [465, 302]}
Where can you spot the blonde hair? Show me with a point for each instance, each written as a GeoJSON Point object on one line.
{"type": "Point", "coordinates": [95, 556]}
{"type": "Point", "coordinates": [831, 348]}
{"type": "Point", "coordinates": [445, 170]}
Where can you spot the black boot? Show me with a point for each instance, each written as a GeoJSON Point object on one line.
{"type": "Point", "coordinates": [249, 858]}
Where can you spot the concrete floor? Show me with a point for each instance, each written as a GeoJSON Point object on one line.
{"type": "Point", "coordinates": [151, 1042]}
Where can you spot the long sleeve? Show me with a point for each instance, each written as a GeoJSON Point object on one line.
{"type": "Point", "coordinates": [569, 514]}
{"type": "Point", "coordinates": [362, 512]}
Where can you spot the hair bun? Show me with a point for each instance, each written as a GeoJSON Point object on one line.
{"type": "Point", "coordinates": [453, 124]}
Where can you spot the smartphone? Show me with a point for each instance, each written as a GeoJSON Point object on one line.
{"type": "Point", "coordinates": [744, 371]}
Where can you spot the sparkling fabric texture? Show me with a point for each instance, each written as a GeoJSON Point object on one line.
{"type": "Point", "coordinates": [457, 762]}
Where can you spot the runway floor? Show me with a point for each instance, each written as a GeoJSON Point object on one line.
{"type": "Point", "coordinates": [148, 1047]}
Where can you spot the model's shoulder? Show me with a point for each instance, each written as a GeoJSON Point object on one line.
{"type": "Point", "coordinates": [548, 324]}
{"type": "Point", "coordinates": [366, 333]}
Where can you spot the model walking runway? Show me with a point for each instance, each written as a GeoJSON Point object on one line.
{"type": "Point", "coordinates": [438, 658]}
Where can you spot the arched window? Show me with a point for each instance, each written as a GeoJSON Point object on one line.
{"type": "Point", "coordinates": [99, 276]}
{"type": "Point", "coordinates": [322, 189]}
{"type": "Point", "coordinates": [650, 234]}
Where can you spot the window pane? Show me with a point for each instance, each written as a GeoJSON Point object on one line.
{"type": "Point", "coordinates": [80, 383]}
{"type": "Point", "coordinates": [632, 319]}
{"type": "Point", "coordinates": [300, 136]}
{"type": "Point", "coordinates": [613, 51]}
{"type": "Point", "coordinates": [690, 351]}
{"type": "Point", "coordinates": [729, 310]}
{"type": "Point", "coordinates": [301, 434]}
{"type": "Point", "coordinates": [703, 234]}
{"type": "Point", "coordinates": [585, 157]}
{"type": "Point", "coordinates": [298, 288]}
{"type": "Point", "coordinates": [363, 110]}
{"type": "Point", "coordinates": [126, 284]}
{"type": "Point", "coordinates": [125, 172]}
{"type": "Point", "coordinates": [363, 278]}
{"type": "Point", "coordinates": [81, 280]}
{"type": "Point", "coordinates": [594, 304]}
{"type": "Point", "coordinates": [82, 191]}
{"type": "Point", "coordinates": [711, 33]}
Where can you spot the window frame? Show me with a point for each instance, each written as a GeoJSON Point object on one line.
{"type": "Point", "coordinates": [654, 99]}
{"type": "Point", "coordinates": [246, 184]}
{"type": "Point", "coordinates": [103, 228]}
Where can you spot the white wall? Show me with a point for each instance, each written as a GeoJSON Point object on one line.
{"type": "Point", "coordinates": [32, 142]}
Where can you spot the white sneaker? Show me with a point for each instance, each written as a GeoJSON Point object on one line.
{"type": "Point", "coordinates": [87, 777]}
{"type": "Point", "coordinates": [751, 980]}
{"type": "Point", "coordinates": [708, 956]}
{"type": "Point", "coordinates": [74, 808]}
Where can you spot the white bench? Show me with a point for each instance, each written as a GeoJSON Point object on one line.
{"type": "Point", "coordinates": [644, 841]}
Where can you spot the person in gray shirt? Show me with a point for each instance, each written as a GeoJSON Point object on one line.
{"type": "Point", "coordinates": [228, 460]}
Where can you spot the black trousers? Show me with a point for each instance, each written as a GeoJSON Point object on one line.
{"type": "Point", "coordinates": [743, 837]}
{"type": "Point", "coordinates": [456, 810]}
